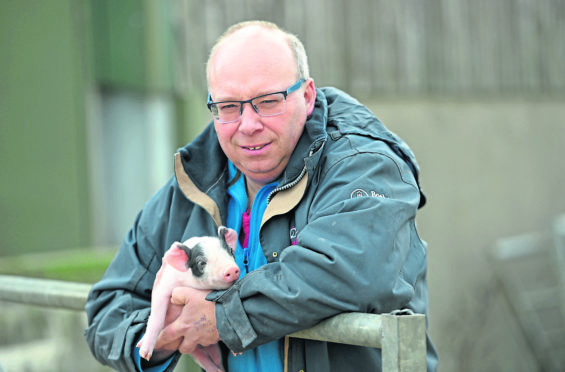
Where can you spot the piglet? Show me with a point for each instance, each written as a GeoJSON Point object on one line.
{"type": "Point", "coordinates": [201, 263]}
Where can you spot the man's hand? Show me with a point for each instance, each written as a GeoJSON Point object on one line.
{"type": "Point", "coordinates": [190, 321]}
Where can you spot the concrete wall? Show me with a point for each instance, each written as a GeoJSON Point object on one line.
{"type": "Point", "coordinates": [38, 339]}
{"type": "Point", "coordinates": [491, 168]}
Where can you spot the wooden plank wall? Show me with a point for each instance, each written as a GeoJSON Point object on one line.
{"type": "Point", "coordinates": [401, 47]}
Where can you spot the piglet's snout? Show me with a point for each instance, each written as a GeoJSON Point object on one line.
{"type": "Point", "coordinates": [231, 274]}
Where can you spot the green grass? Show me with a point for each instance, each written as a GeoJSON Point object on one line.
{"type": "Point", "coordinates": [78, 265]}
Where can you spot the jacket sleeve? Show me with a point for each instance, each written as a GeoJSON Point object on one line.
{"type": "Point", "coordinates": [358, 251]}
{"type": "Point", "coordinates": [118, 306]}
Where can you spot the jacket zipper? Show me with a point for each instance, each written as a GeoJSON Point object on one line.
{"type": "Point", "coordinates": [287, 186]}
{"type": "Point", "coordinates": [293, 183]}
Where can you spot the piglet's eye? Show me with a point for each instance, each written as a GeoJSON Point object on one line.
{"type": "Point", "coordinates": [201, 264]}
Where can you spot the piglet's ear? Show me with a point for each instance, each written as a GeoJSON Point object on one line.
{"type": "Point", "coordinates": [229, 235]}
{"type": "Point", "coordinates": [177, 256]}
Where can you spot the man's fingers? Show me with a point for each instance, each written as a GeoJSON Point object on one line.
{"type": "Point", "coordinates": [190, 321]}
{"type": "Point", "coordinates": [181, 295]}
{"type": "Point", "coordinates": [170, 335]}
{"type": "Point", "coordinates": [187, 347]}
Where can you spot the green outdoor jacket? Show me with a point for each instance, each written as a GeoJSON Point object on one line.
{"type": "Point", "coordinates": [339, 235]}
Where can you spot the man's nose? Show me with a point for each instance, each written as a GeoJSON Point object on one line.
{"type": "Point", "coordinates": [250, 120]}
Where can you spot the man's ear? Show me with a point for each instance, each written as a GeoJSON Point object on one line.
{"type": "Point", "coordinates": [309, 95]}
{"type": "Point", "coordinates": [177, 256]}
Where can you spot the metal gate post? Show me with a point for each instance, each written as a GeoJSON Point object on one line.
{"type": "Point", "coordinates": [404, 343]}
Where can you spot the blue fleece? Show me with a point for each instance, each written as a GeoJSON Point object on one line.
{"type": "Point", "coordinates": [267, 357]}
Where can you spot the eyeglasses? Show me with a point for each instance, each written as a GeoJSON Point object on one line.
{"type": "Point", "coordinates": [271, 104]}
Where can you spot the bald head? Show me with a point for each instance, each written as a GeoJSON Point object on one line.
{"type": "Point", "coordinates": [254, 38]}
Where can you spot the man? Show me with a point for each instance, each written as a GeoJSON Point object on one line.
{"type": "Point", "coordinates": [324, 198]}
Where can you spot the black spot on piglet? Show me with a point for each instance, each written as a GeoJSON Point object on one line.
{"type": "Point", "coordinates": [197, 260]}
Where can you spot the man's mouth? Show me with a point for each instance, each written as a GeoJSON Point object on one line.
{"type": "Point", "coordinates": [254, 148]}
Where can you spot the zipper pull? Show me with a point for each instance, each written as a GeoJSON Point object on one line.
{"type": "Point", "coordinates": [246, 259]}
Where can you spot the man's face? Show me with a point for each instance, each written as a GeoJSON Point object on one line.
{"type": "Point", "coordinates": [245, 66]}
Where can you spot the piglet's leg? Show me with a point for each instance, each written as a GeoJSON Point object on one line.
{"type": "Point", "coordinates": [155, 324]}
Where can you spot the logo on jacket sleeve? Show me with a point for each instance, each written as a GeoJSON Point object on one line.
{"type": "Point", "coordinates": [360, 193]}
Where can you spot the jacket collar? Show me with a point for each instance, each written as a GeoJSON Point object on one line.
{"type": "Point", "coordinates": [312, 139]}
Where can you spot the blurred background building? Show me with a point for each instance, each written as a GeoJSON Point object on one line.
{"type": "Point", "coordinates": [96, 96]}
